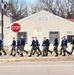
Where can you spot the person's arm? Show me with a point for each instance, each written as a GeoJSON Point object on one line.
{"type": "Point", "coordinates": [12, 43]}
{"type": "Point", "coordinates": [72, 42]}
{"type": "Point", "coordinates": [49, 43]}
{"type": "Point", "coordinates": [54, 43]}
{"type": "Point", "coordinates": [38, 43]}
{"type": "Point", "coordinates": [31, 44]}
{"type": "Point", "coordinates": [66, 44]}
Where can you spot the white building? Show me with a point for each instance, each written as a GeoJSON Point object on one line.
{"type": "Point", "coordinates": [43, 24]}
{"type": "Point", "coordinates": [6, 21]}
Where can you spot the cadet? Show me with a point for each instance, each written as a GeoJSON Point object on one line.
{"type": "Point", "coordinates": [64, 45]}
{"type": "Point", "coordinates": [48, 44]}
{"type": "Point", "coordinates": [23, 45]}
{"type": "Point", "coordinates": [1, 47]}
{"type": "Point", "coordinates": [34, 47]}
{"type": "Point", "coordinates": [13, 46]}
{"type": "Point", "coordinates": [56, 45]}
{"type": "Point", "coordinates": [37, 44]}
{"type": "Point", "coordinates": [44, 44]}
{"type": "Point", "coordinates": [18, 46]}
{"type": "Point", "coordinates": [72, 45]}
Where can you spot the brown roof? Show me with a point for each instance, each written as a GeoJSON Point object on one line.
{"type": "Point", "coordinates": [71, 20]}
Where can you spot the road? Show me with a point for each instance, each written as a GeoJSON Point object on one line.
{"type": "Point", "coordinates": [37, 68]}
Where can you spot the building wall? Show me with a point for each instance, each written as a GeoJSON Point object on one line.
{"type": "Point", "coordinates": [54, 24]}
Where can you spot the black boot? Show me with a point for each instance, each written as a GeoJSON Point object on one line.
{"type": "Point", "coordinates": [37, 55]}
{"type": "Point", "coordinates": [29, 55]}
{"type": "Point", "coordinates": [26, 52]}
{"type": "Point", "coordinates": [64, 55]}
{"type": "Point", "coordinates": [5, 54]}
{"type": "Point", "coordinates": [56, 55]}
{"type": "Point", "coordinates": [14, 55]}
{"type": "Point", "coordinates": [0, 54]}
{"type": "Point", "coordinates": [21, 55]}
{"type": "Point", "coordinates": [11, 54]}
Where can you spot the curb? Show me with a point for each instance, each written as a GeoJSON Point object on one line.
{"type": "Point", "coordinates": [35, 59]}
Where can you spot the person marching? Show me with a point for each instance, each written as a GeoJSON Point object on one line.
{"type": "Point", "coordinates": [72, 45]}
{"type": "Point", "coordinates": [22, 46]}
{"type": "Point", "coordinates": [44, 44]}
{"type": "Point", "coordinates": [64, 45]}
{"type": "Point", "coordinates": [48, 44]}
{"type": "Point", "coordinates": [37, 43]}
{"type": "Point", "coordinates": [34, 47]}
{"type": "Point", "coordinates": [18, 47]}
{"type": "Point", "coordinates": [56, 45]}
{"type": "Point", "coordinates": [13, 46]}
{"type": "Point", "coordinates": [1, 47]}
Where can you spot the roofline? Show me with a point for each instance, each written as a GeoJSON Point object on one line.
{"type": "Point", "coordinates": [38, 13]}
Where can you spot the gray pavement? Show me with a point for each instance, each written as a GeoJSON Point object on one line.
{"type": "Point", "coordinates": [37, 68]}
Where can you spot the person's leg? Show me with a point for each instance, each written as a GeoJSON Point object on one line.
{"type": "Point", "coordinates": [46, 51]}
{"type": "Point", "coordinates": [39, 50]}
{"type": "Point", "coordinates": [21, 51]}
{"type": "Point", "coordinates": [24, 49]}
{"type": "Point", "coordinates": [31, 51]}
{"type": "Point", "coordinates": [0, 51]}
{"type": "Point", "coordinates": [72, 49]}
{"type": "Point", "coordinates": [11, 51]}
{"type": "Point", "coordinates": [18, 48]}
{"type": "Point", "coordinates": [61, 51]}
{"type": "Point", "coordinates": [3, 51]}
{"type": "Point", "coordinates": [43, 51]}
{"type": "Point", "coordinates": [56, 50]}
{"type": "Point", "coordinates": [50, 51]}
{"type": "Point", "coordinates": [36, 51]}
{"type": "Point", "coordinates": [68, 52]}
{"type": "Point", "coordinates": [64, 51]}
{"type": "Point", "coordinates": [15, 51]}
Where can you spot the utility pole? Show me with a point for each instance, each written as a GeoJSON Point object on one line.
{"type": "Point", "coordinates": [2, 19]}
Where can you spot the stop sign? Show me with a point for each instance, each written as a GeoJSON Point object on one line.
{"type": "Point", "coordinates": [15, 27]}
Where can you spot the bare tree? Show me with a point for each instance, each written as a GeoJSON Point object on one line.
{"type": "Point", "coordinates": [60, 8]}
{"type": "Point", "coordinates": [69, 4]}
{"type": "Point", "coordinates": [48, 5]}
{"type": "Point", "coordinates": [16, 10]}
{"type": "Point", "coordinates": [37, 7]}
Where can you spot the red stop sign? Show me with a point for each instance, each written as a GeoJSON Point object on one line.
{"type": "Point", "coordinates": [15, 27]}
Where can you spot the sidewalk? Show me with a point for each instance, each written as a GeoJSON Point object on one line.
{"type": "Point", "coordinates": [17, 58]}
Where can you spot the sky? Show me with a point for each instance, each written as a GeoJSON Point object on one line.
{"type": "Point", "coordinates": [31, 1]}
{"type": "Point", "coordinates": [28, 1]}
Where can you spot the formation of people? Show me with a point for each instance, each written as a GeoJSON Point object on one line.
{"type": "Point", "coordinates": [19, 45]}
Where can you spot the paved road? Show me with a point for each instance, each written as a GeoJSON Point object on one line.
{"type": "Point", "coordinates": [37, 68]}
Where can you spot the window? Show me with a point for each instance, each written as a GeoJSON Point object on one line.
{"type": "Point", "coordinates": [69, 38]}
{"type": "Point", "coordinates": [24, 34]}
{"type": "Point", "coordinates": [51, 36]}
{"type": "Point", "coordinates": [0, 23]}
{"type": "Point", "coordinates": [43, 19]}
{"type": "Point", "coordinates": [1, 35]}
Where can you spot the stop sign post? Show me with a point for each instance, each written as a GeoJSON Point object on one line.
{"type": "Point", "coordinates": [15, 27]}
